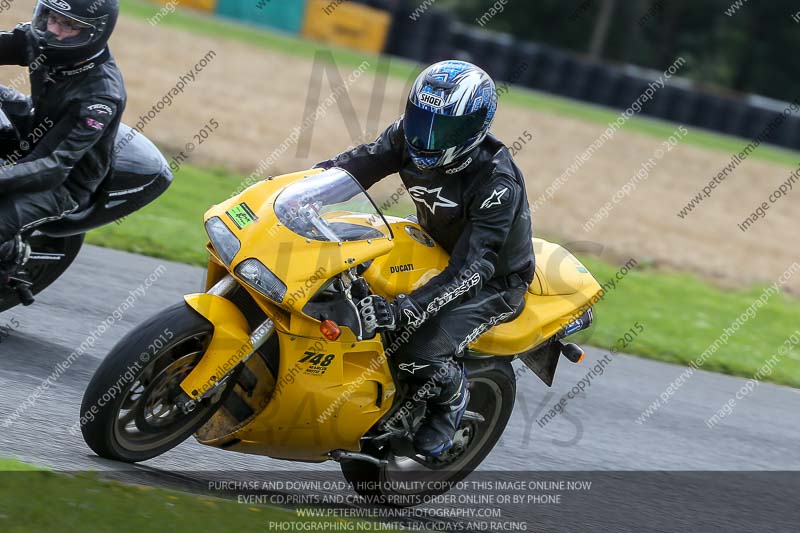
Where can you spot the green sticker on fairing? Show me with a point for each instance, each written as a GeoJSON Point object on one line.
{"type": "Point", "coordinates": [242, 215]}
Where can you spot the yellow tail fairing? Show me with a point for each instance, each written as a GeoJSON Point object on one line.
{"type": "Point", "coordinates": [542, 317]}
{"type": "Point", "coordinates": [562, 289]}
{"type": "Point", "coordinates": [562, 286]}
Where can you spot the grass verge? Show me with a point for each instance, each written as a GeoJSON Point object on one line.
{"type": "Point", "coordinates": [681, 314]}
{"type": "Point", "coordinates": [204, 24]}
{"type": "Point", "coordinates": [39, 500]}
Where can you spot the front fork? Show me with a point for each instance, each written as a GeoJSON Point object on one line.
{"type": "Point", "coordinates": [232, 343]}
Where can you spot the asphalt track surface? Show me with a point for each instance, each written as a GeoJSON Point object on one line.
{"type": "Point", "coordinates": [695, 475]}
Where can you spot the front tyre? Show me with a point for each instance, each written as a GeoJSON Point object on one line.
{"type": "Point", "coordinates": [405, 481]}
{"type": "Point", "coordinates": [129, 411]}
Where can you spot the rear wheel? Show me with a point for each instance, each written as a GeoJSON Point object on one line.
{"type": "Point", "coordinates": [143, 373]}
{"type": "Point", "coordinates": [492, 395]}
{"type": "Point", "coordinates": [50, 258]}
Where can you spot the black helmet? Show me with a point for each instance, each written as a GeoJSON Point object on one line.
{"type": "Point", "coordinates": [71, 31]}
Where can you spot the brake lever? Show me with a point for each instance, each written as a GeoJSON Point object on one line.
{"type": "Point", "coordinates": [347, 290]}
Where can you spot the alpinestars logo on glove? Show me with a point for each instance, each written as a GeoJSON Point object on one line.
{"type": "Point", "coordinates": [430, 198]}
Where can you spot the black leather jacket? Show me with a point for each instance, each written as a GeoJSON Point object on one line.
{"type": "Point", "coordinates": [478, 211]}
{"type": "Point", "coordinates": [77, 111]}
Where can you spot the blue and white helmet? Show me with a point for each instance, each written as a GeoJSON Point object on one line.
{"type": "Point", "coordinates": [448, 114]}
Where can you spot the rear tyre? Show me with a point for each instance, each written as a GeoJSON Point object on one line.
{"type": "Point", "coordinates": [143, 372]}
{"type": "Point", "coordinates": [492, 395]}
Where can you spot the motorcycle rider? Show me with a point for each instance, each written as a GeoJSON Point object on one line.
{"type": "Point", "coordinates": [61, 145]}
{"type": "Point", "coordinates": [470, 197]}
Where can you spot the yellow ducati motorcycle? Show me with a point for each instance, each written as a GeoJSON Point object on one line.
{"type": "Point", "coordinates": [274, 358]}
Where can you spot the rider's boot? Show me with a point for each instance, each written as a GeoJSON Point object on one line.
{"type": "Point", "coordinates": [435, 435]}
{"type": "Point", "coordinates": [13, 253]}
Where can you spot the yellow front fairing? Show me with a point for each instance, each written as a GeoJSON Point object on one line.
{"type": "Point", "coordinates": [322, 406]}
{"type": "Point", "coordinates": [304, 265]}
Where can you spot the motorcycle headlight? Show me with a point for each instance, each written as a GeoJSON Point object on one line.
{"type": "Point", "coordinates": [259, 277]}
{"type": "Point", "coordinates": [224, 241]}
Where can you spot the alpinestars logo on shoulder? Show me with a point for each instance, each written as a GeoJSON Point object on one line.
{"type": "Point", "coordinates": [496, 198]}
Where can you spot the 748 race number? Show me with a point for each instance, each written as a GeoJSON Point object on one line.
{"type": "Point", "coordinates": [318, 362]}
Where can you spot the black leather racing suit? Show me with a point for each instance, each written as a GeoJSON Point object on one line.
{"type": "Point", "coordinates": [65, 134]}
{"type": "Point", "coordinates": [478, 211]}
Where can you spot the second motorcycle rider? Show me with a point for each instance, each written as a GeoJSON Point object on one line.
{"type": "Point", "coordinates": [61, 145]}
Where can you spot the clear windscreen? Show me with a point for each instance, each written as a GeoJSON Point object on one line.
{"type": "Point", "coordinates": [330, 206]}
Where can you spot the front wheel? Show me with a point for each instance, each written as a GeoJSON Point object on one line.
{"type": "Point", "coordinates": [129, 410]}
{"type": "Point", "coordinates": [405, 481]}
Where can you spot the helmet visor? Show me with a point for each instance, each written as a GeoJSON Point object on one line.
{"type": "Point", "coordinates": [60, 30]}
{"type": "Point", "coordinates": [428, 131]}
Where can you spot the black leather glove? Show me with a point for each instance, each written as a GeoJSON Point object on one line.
{"type": "Point", "coordinates": [407, 312]}
{"type": "Point", "coordinates": [378, 314]}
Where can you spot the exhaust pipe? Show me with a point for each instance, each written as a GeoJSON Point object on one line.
{"type": "Point", "coordinates": [344, 455]}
